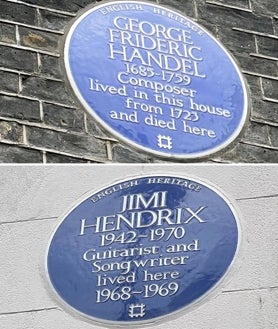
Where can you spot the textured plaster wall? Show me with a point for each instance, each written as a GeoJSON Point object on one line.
{"type": "Point", "coordinates": [40, 123]}
{"type": "Point", "coordinates": [33, 197]}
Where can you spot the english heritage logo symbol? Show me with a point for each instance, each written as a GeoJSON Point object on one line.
{"type": "Point", "coordinates": [143, 248]}
{"type": "Point", "coordinates": [155, 79]}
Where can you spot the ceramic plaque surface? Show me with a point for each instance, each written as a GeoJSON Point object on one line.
{"type": "Point", "coordinates": [142, 249]}
{"type": "Point", "coordinates": [155, 79]}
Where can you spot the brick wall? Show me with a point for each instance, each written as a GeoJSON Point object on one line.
{"type": "Point", "coordinates": [39, 121]}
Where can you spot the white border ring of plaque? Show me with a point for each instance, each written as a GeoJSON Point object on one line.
{"type": "Point", "coordinates": [155, 79]}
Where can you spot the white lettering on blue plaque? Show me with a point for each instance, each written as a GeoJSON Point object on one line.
{"type": "Point", "coordinates": [142, 249]}
{"type": "Point", "coordinates": [155, 79]}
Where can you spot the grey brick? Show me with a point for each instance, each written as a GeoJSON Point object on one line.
{"type": "Point", "coordinates": [268, 7]}
{"type": "Point", "coordinates": [11, 131]}
{"type": "Point", "coordinates": [7, 33]}
{"type": "Point", "coordinates": [229, 17]}
{"type": "Point", "coordinates": [57, 158]}
{"type": "Point", "coordinates": [273, 135]}
{"type": "Point", "coordinates": [267, 46]}
{"type": "Point", "coordinates": [19, 108]}
{"type": "Point", "coordinates": [256, 133]}
{"type": "Point", "coordinates": [18, 59]}
{"type": "Point", "coordinates": [53, 21]}
{"type": "Point", "coordinates": [270, 88]}
{"type": "Point", "coordinates": [254, 84]}
{"type": "Point", "coordinates": [38, 39]}
{"type": "Point", "coordinates": [50, 66]}
{"type": "Point", "coordinates": [265, 110]}
{"type": "Point", "coordinates": [213, 29]}
{"type": "Point", "coordinates": [68, 118]}
{"type": "Point", "coordinates": [249, 153]}
{"type": "Point", "coordinates": [45, 89]}
{"type": "Point", "coordinates": [186, 7]}
{"type": "Point", "coordinates": [124, 154]}
{"type": "Point", "coordinates": [94, 128]}
{"type": "Point", "coordinates": [75, 144]}
{"type": "Point", "coordinates": [275, 24]}
{"type": "Point", "coordinates": [258, 65]}
{"type": "Point", "coordinates": [14, 154]}
{"type": "Point", "coordinates": [8, 81]}
{"type": "Point", "coordinates": [17, 12]}
{"type": "Point", "coordinates": [237, 41]}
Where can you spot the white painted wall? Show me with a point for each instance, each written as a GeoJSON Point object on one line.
{"type": "Point", "coordinates": [33, 197]}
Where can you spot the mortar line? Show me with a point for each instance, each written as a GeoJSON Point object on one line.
{"type": "Point", "coordinates": [28, 220]}
{"type": "Point", "coordinates": [248, 289]}
{"type": "Point", "coordinates": [259, 197]}
{"type": "Point", "coordinates": [30, 311]}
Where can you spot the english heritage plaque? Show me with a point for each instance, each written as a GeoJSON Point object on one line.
{"type": "Point", "coordinates": [142, 249]}
{"type": "Point", "coordinates": [155, 79]}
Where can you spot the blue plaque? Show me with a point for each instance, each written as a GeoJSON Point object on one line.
{"type": "Point", "coordinates": [142, 249]}
{"type": "Point", "coordinates": [155, 79]}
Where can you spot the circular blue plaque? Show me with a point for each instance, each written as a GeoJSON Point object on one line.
{"type": "Point", "coordinates": [155, 79]}
{"type": "Point", "coordinates": [142, 249]}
